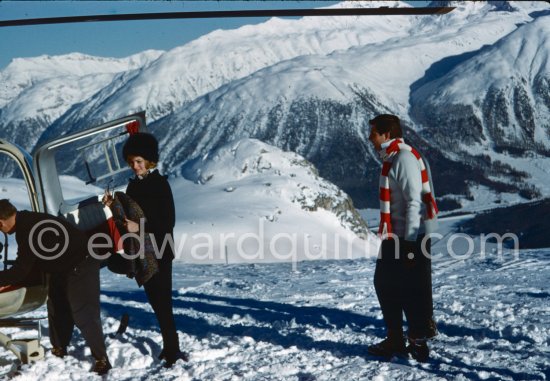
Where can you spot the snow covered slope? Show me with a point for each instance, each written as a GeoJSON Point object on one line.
{"type": "Point", "coordinates": [199, 67]}
{"type": "Point", "coordinates": [309, 85]}
{"type": "Point", "coordinates": [184, 73]}
{"type": "Point", "coordinates": [499, 99]}
{"type": "Point", "coordinates": [250, 187]}
{"type": "Point", "coordinates": [312, 320]}
{"type": "Point", "coordinates": [308, 320]}
{"type": "Point", "coordinates": [250, 202]}
{"type": "Point", "coordinates": [37, 91]}
{"type": "Point", "coordinates": [495, 105]}
{"type": "Point", "coordinates": [267, 322]}
{"type": "Point", "coordinates": [317, 105]}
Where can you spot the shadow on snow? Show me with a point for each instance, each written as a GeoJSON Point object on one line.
{"type": "Point", "coordinates": [279, 316]}
{"type": "Point", "coordinates": [288, 326]}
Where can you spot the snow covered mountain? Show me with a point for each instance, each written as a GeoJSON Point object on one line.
{"type": "Point", "coordinates": [494, 105]}
{"type": "Point", "coordinates": [187, 72]}
{"type": "Point", "coordinates": [200, 66]}
{"type": "Point", "coordinates": [318, 105]}
{"type": "Point", "coordinates": [249, 168]}
{"type": "Point", "coordinates": [309, 86]}
{"type": "Point", "coordinates": [35, 92]}
{"type": "Point", "coordinates": [498, 99]}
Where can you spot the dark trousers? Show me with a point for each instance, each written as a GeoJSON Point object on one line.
{"type": "Point", "coordinates": [159, 292]}
{"type": "Point", "coordinates": [73, 299]}
{"type": "Point", "coordinates": [405, 285]}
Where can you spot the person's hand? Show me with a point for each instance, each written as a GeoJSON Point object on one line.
{"type": "Point", "coordinates": [131, 226]}
{"type": "Point", "coordinates": [107, 198]}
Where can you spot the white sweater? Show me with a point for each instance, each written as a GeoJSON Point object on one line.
{"type": "Point", "coordinates": [406, 206]}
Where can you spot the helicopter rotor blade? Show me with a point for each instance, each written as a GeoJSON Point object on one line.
{"type": "Point", "coordinates": [381, 11]}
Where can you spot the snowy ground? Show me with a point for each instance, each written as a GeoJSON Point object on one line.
{"type": "Point", "coordinates": [313, 320]}
{"type": "Point", "coordinates": [268, 322]}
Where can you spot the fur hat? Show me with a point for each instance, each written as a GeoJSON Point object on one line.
{"type": "Point", "coordinates": [142, 144]}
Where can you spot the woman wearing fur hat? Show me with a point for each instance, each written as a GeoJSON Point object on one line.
{"type": "Point", "coordinates": [152, 192]}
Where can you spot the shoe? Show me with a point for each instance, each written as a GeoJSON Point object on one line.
{"type": "Point", "coordinates": [101, 366]}
{"type": "Point", "coordinates": [418, 348]}
{"type": "Point", "coordinates": [428, 333]}
{"type": "Point", "coordinates": [431, 331]}
{"type": "Point", "coordinates": [59, 351]}
{"type": "Point", "coordinates": [389, 347]}
{"type": "Point", "coordinates": [184, 356]}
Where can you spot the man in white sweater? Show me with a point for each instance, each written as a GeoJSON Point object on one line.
{"type": "Point", "coordinates": [408, 214]}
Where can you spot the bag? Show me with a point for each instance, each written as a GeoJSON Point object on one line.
{"type": "Point", "coordinates": [93, 217]}
{"type": "Point", "coordinates": [143, 267]}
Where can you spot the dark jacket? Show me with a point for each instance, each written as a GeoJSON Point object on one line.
{"type": "Point", "coordinates": [154, 195]}
{"type": "Point", "coordinates": [30, 250]}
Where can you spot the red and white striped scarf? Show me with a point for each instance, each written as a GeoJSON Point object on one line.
{"type": "Point", "coordinates": [388, 153]}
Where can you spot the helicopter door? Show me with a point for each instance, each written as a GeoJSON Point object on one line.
{"type": "Point", "coordinates": [16, 184]}
{"type": "Point", "coordinates": [76, 168]}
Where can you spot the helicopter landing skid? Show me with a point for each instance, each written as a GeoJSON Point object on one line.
{"type": "Point", "coordinates": [26, 350]}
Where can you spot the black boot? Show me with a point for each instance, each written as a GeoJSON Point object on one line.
{"type": "Point", "coordinates": [418, 348]}
{"type": "Point", "coordinates": [432, 329]}
{"type": "Point", "coordinates": [59, 351]}
{"type": "Point", "coordinates": [392, 345]}
{"type": "Point", "coordinates": [171, 360]}
{"type": "Point", "coordinates": [102, 366]}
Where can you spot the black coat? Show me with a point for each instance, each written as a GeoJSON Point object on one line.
{"type": "Point", "coordinates": [30, 253]}
{"type": "Point", "coordinates": [154, 195]}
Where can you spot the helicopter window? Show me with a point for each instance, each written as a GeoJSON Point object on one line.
{"type": "Point", "coordinates": [12, 182]}
{"type": "Point", "coordinates": [89, 165]}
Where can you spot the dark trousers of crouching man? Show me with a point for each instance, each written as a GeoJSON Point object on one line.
{"type": "Point", "coordinates": [79, 290]}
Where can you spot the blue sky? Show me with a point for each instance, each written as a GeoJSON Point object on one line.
{"type": "Point", "coordinates": [119, 39]}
